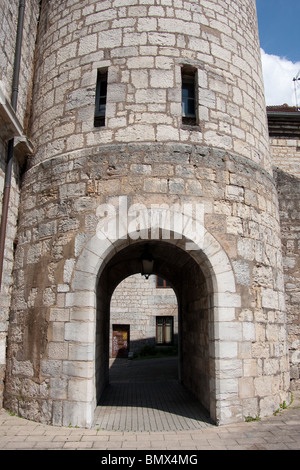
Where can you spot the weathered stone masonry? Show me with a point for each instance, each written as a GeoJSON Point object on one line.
{"type": "Point", "coordinates": [48, 249]}
{"type": "Point", "coordinates": [13, 125]}
{"type": "Point", "coordinates": [230, 290]}
{"type": "Point", "coordinates": [284, 127]}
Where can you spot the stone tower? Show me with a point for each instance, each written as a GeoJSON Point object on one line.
{"type": "Point", "coordinates": [149, 128]}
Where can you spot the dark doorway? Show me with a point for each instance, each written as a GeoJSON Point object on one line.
{"type": "Point", "coordinates": [121, 341]}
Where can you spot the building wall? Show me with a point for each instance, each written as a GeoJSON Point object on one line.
{"type": "Point", "coordinates": [7, 40]}
{"type": "Point", "coordinates": [146, 155]}
{"type": "Point", "coordinates": [8, 31]}
{"type": "Point", "coordinates": [286, 156]}
{"type": "Point", "coordinates": [144, 46]}
{"type": "Point", "coordinates": [137, 302]}
{"type": "Point", "coordinates": [8, 28]}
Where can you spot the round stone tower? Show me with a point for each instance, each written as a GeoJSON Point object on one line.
{"type": "Point", "coordinates": [150, 133]}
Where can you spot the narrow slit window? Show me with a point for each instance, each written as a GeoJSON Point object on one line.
{"type": "Point", "coordinates": [101, 97]}
{"type": "Point", "coordinates": [188, 75]}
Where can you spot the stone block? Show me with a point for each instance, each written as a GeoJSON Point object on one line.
{"type": "Point", "coordinates": [235, 193]}
{"type": "Point", "coordinates": [226, 350]}
{"type": "Point", "coordinates": [263, 386]}
{"type": "Point", "coordinates": [270, 299]}
{"type": "Point", "coordinates": [77, 413]}
{"type": "Point", "coordinates": [147, 24]}
{"type": "Point", "coordinates": [162, 79]}
{"type": "Point", "coordinates": [3, 334]}
{"type": "Point", "coordinates": [81, 352]}
{"type": "Point", "coordinates": [72, 190]}
{"type": "Point", "coordinates": [250, 368]}
{"type": "Point", "coordinates": [80, 369]}
{"type": "Point", "coordinates": [151, 96]}
{"type": "Point", "coordinates": [51, 368]}
{"type": "Point", "coordinates": [161, 39]}
{"type": "Point", "coordinates": [242, 272]}
{"type": "Point", "coordinates": [66, 53]}
{"type": "Point", "coordinates": [227, 388]}
{"type": "Point", "coordinates": [140, 62]}
{"type": "Point", "coordinates": [136, 133]}
{"type": "Point", "coordinates": [224, 314]}
{"type": "Point", "coordinates": [81, 390]}
{"type": "Point", "coordinates": [116, 92]}
{"type": "Point", "coordinates": [88, 44]}
{"type": "Point", "coordinates": [249, 332]}
{"type": "Point", "coordinates": [110, 39]}
{"type": "Point", "coordinates": [246, 387]}
{"type": "Point", "coordinates": [246, 248]}
{"type": "Point", "coordinates": [80, 299]}
{"type": "Point", "coordinates": [81, 332]}
{"type": "Point", "coordinates": [155, 185]}
{"type": "Point", "coordinates": [165, 133]}
{"type": "Point", "coordinates": [57, 350]}
{"type": "Point", "coordinates": [58, 388]}
{"type": "Point", "coordinates": [228, 331]}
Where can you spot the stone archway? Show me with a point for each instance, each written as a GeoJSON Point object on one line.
{"type": "Point", "coordinates": [96, 273]}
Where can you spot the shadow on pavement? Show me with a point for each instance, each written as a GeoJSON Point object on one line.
{"type": "Point", "coordinates": [145, 395]}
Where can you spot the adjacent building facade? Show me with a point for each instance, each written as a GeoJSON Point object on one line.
{"type": "Point", "coordinates": [140, 134]}
{"type": "Point", "coordinates": [284, 130]}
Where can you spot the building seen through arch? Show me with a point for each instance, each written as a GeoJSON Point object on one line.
{"type": "Point", "coordinates": [144, 314]}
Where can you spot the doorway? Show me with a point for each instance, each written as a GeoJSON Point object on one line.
{"type": "Point", "coordinates": [204, 283]}
{"type": "Point", "coordinates": [193, 296]}
{"type": "Point", "coordinates": [120, 341]}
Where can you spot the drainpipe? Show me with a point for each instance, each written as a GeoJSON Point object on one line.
{"type": "Point", "coordinates": [10, 150]}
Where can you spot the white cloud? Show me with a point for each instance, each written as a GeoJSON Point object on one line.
{"type": "Point", "coordinates": [278, 75]}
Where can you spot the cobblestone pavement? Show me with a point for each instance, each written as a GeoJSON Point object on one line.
{"type": "Point", "coordinates": [134, 416]}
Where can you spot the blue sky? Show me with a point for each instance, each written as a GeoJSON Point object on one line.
{"type": "Point", "coordinates": [279, 31]}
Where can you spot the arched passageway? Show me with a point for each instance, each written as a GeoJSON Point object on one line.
{"type": "Point", "coordinates": [203, 280]}
{"type": "Point", "coordinates": [191, 278]}
{"type": "Point", "coordinates": [144, 393]}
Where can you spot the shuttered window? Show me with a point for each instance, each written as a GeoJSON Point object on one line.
{"type": "Point", "coordinates": [164, 330]}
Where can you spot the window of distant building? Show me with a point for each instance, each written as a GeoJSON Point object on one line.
{"type": "Point", "coordinates": [101, 95]}
{"type": "Point", "coordinates": [164, 330]}
{"type": "Point", "coordinates": [161, 283]}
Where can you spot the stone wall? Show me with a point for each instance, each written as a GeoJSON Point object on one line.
{"type": "Point", "coordinates": [143, 46]}
{"type": "Point", "coordinates": [7, 42]}
{"type": "Point", "coordinates": [286, 155]}
{"type": "Point", "coordinates": [8, 31]}
{"type": "Point", "coordinates": [137, 302]}
{"type": "Point", "coordinates": [8, 28]}
{"type": "Point", "coordinates": [59, 217]}
{"type": "Point", "coordinates": [233, 304]}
